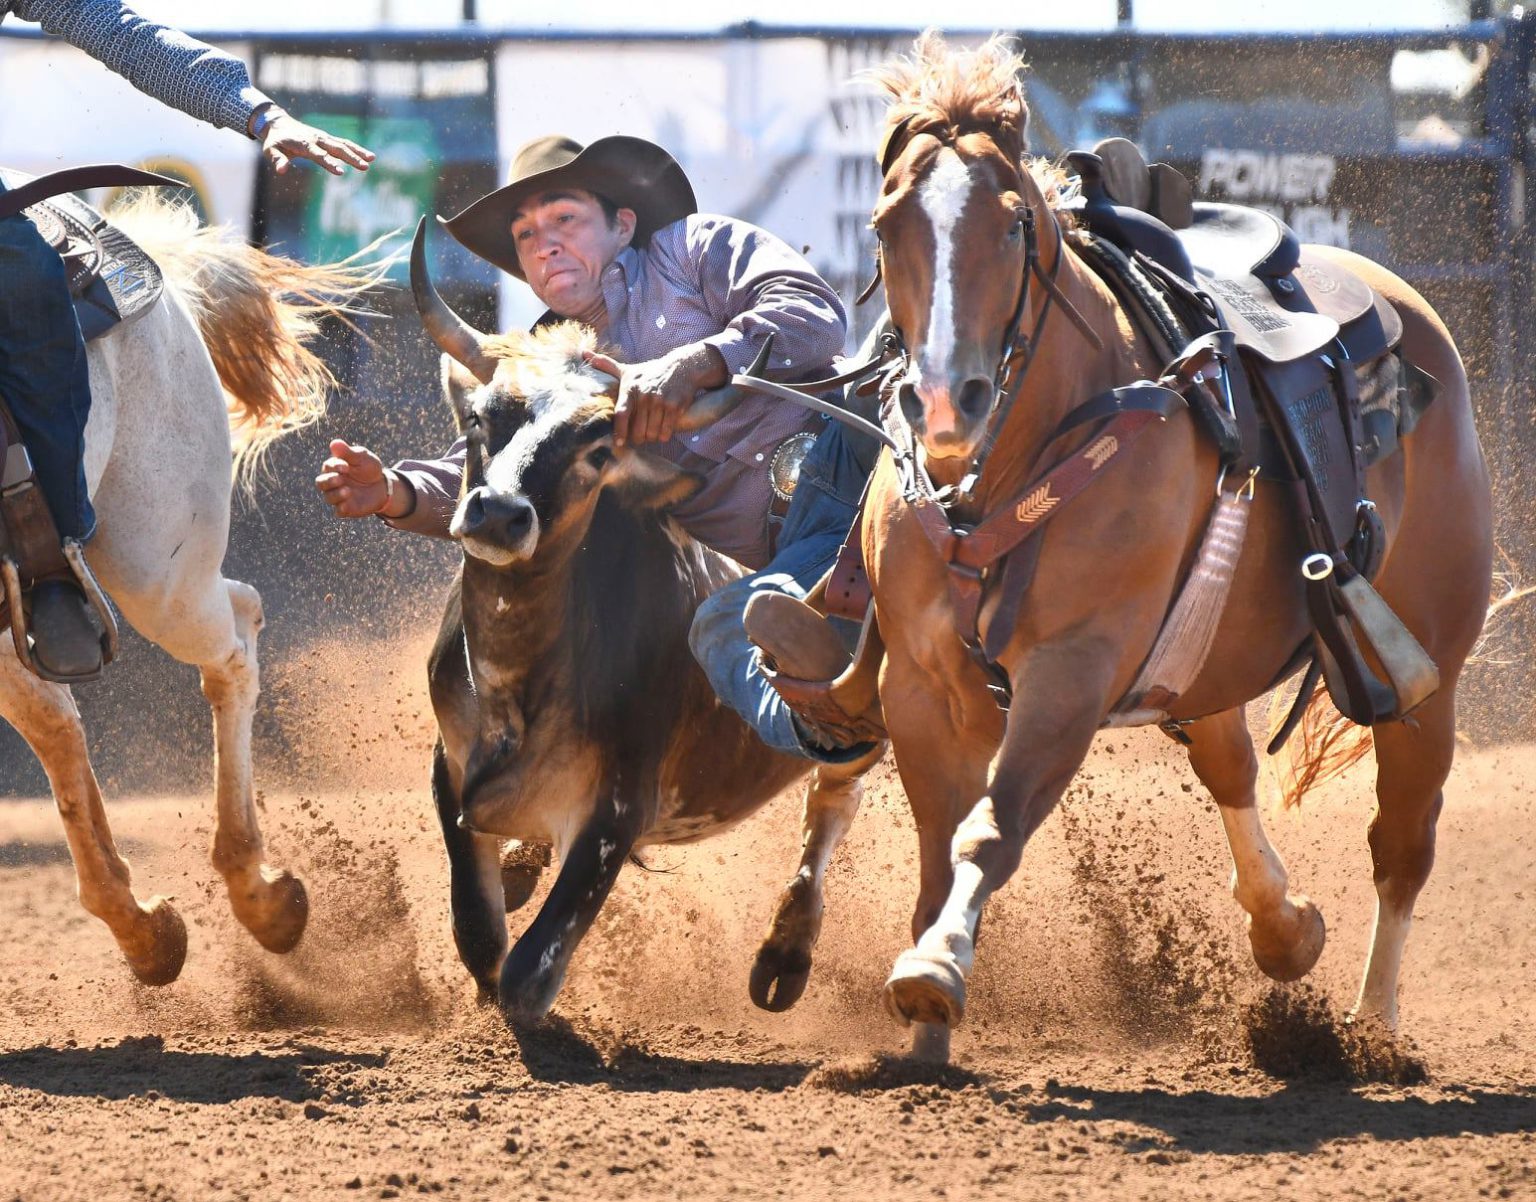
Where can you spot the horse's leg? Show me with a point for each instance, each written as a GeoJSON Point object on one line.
{"type": "Point", "coordinates": [477, 895]}
{"type": "Point", "coordinates": [213, 624]}
{"type": "Point", "coordinates": [1285, 930]}
{"type": "Point", "coordinates": [783, 964]}
{"type": "Point", "coordinates": [1411, 767]}
{"type": "Point", "coordinates": [152, 936]}
{"type": "Point", "coordinates": [968, 847]}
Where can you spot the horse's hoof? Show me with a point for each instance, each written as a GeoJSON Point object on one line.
{"type": "Point", "coordinates": [925, 988]}
{"type": "Point", "coordinates": [159, 955]}
{"type": "Point", "coordinates": [282, 914]}
{"type": "Point", "coordinates": [1291, 956]}
{"type": "Point", "coordinates": [779, 977]}
{"type": "Point", "coordinates": [930, 1043]}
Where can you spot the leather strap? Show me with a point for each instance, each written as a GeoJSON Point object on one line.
{"type": "Point", "coordinates": [74, 179]}
{"type": "Point", "coordinates": [970, 552]}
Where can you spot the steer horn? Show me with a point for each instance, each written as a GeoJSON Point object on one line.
{"type": "Point", "coordinates": [454, 336]}
{"type": "Point", "coordinates": [709, 407]}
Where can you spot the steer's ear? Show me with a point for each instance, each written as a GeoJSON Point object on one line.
{"type": "Point", "coordinates": [643, 481]}
{"type": "Point", "coordinates": [459, 385]}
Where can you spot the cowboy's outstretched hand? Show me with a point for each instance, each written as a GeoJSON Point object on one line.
{"type": "Point", "coordinates": [287, 138]}
{"type": "Point", "coordinates": [653, 395]}
{"type": "Point", "coordinates": [354, 482]}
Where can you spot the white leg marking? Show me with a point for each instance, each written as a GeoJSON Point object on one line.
{"type": "Point", "coordinates": [1378, 991]}
{"type": "Point", "coordinates": [1258, 875]}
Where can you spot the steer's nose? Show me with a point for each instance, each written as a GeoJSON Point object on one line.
{"type": "Point", "coordinates": [496, 519]}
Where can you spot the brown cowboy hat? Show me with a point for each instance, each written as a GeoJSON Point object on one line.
{"type": "Point", "coordinates": [631, 172]}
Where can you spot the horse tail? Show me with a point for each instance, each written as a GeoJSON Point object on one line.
{"type": "Point", "coordinates": [1324, 745]}
{"type": "Point", "coordinates": [258, 314]}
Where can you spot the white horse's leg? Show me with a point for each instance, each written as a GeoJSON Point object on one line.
{"type": "Point", "coordinates": [1285, 930]}
{"type": "Point", "coordinates": [152, 936]}
{"type": "Point", "coordinates": [170, 461]}
{"type": "Point", "coordinates": [217, 632]}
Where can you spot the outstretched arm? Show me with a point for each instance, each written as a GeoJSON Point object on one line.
{"type": "Point", "coordinates": [189, 75]}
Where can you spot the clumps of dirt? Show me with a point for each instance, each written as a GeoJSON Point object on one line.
{"type": "Point", "coordinates": [1168, 966]}
{"type": "Point", "coordinates": [877, 1073]}
{"type": "Point", "coordinates": [357, 964]}
{"type": "Point", "coordinates": [1293, 1033]}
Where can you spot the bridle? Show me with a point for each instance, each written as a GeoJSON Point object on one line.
{"type": "Point", "coordinates": [1004, 373]}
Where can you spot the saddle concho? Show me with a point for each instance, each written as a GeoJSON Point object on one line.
{"type": "Point", "coordinates": [784, 466]}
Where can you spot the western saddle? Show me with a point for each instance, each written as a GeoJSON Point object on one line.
{"type": "Point", "coordinates": [1312, 392]}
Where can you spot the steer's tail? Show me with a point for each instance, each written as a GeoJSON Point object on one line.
{"type": "Point", "coordinates": [258, 313]}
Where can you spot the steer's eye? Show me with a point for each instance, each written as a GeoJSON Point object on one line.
{"type": "Point", "coordinates": [599, 457]}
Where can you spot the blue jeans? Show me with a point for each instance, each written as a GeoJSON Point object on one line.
{"type": "Point", "coordinates": [43, 371]}
{"type": "Point", "coordinates": [820, 515]}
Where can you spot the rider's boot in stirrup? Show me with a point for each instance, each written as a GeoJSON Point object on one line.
{"type": "Point", "coordinates": [66, 636]}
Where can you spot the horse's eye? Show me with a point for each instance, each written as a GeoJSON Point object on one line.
{"type": "Point", "coordinates": [599, 457]}
{"type": "Point", "coordinates": [1016, 230]}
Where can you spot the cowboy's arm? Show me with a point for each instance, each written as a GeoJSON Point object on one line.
{"type": "Point", "coordinates": [175, 69]}
{"type": "Point", "coordinates": [757, 286]}
{"type": "Point", "coordinates": [427, 492]}
{"type": "Point", "coordinates": [418, 495]}
{"type": "Point", "coordinates": [190, 75]}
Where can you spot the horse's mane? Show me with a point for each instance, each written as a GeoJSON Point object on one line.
{"type": "Point", "coordinates": [946, 91]}
{"type": "Point", "coordinates": [257, 313]}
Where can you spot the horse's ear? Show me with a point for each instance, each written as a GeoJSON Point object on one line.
{"type": "Point", "coordinates": [1015, 119]}
{"type": "Point", "coordinates": [459, 385]}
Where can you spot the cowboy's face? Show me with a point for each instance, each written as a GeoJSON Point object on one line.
{"type": "Point", "coordinates": [564, 244]}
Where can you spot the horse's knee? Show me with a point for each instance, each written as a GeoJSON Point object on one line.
{"type": "Point", "coordinates": [1403, 847]}
{"type": "Point", "coordinates": [246, 603]}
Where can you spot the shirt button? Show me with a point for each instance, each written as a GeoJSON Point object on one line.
{"type": "Point", "coordinates": [789, 362]}
{"type": "Point", "coordinates": [693, 438]}
{"type": "Point", "coordinates": [759, 456]}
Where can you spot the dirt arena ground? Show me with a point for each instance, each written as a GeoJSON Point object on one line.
{"type": "Point", "coordinates": [1119, 1043]}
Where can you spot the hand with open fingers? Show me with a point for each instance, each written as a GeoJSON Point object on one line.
{"type": "Point", "coordinates": [653, 395]}
{"type": "Point", "coordinates": [355, 483]}
{"type": "Point", "coordinates": [286, 138]}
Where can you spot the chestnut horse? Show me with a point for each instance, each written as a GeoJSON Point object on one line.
{"type": "Point", "coordinates": [952, 219]}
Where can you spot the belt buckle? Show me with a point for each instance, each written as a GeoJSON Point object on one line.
{"type": "Point", "coordinates": [784, 464]}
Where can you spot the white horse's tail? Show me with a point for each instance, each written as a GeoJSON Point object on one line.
{"type": "Point", "coordinates": [257, 313]}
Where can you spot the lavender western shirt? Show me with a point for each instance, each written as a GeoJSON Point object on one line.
{"type": "Point", "coordinates": [170, 66]}
{"type": "Point", "coordinates": [728, 284]}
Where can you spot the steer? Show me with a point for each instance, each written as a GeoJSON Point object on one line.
{"type": "Point", "coordinates": [570, 711]}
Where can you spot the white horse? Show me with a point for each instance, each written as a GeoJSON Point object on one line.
{"type": "Point", "coordinates": [181, 400]}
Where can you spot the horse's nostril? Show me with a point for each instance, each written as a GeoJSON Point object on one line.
{"type": "Point", "coordinates": [975, 397]}
{"type": "Point", "coordinates": [911, 404]}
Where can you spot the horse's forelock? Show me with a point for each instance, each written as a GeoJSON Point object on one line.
{"type": "Point", "coordinates": [940, 89]}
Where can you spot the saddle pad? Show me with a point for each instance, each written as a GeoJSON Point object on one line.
{"type": "Point", "coordinates": [111, 278]}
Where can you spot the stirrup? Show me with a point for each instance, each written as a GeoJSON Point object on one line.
{"type": "Point", "coordinates": [74, 556]}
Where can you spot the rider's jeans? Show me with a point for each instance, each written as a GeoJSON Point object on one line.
{"type": "Point", "coordinates": [820, 515]}
{"type": "Point", "coordinates": [43, 372]}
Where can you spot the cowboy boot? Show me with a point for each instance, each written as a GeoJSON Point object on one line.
{"type": "Point", "coordinates": [797, 645]}
{"type": "Point", "coordinates": [66, 637]}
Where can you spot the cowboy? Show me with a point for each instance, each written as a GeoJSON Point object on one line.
{"type": "Point", "coordinates": [610, 235]}
{"type": "Point", "coordinates": [42, 355]}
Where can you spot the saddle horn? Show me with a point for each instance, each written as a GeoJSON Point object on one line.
{"type": "Point", "coordinates": [453, 335]}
